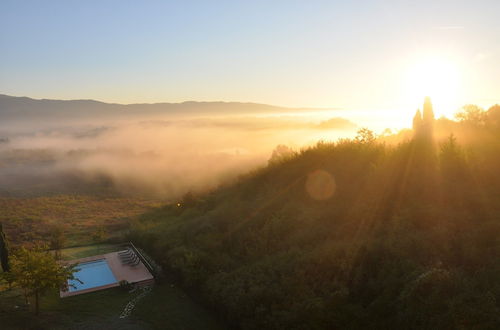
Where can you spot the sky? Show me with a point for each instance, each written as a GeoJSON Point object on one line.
{"type": "Point", "coordinates": [341, 54]}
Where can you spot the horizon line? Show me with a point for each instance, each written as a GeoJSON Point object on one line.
{"type": "Point", "coordinates": [172, 103]}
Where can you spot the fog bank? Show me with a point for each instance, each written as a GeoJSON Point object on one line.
{"type": "Point", "coordinates": [148, 156]}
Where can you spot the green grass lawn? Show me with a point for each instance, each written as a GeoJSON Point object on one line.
{"type": "Point", "coordinates": [88, 311]}
{"type": "Point", "coordinates": [87, 251]}
{"type": "Point", "coordinates": [165, 307]}
{"type": "Point", "coordinates": [168, 307]}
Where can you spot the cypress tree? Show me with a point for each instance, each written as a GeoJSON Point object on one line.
{"type": "Point", "coordinates": [4, 251]}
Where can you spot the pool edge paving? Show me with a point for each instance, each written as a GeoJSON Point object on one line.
{"type": "Point", "coordinates": [138, 274]}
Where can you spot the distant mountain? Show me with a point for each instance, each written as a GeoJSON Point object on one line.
{"type": "Point", "coordinates": [25, 108]}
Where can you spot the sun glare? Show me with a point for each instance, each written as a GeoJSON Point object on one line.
{"type": "Point", "coordinates": [438, 78]}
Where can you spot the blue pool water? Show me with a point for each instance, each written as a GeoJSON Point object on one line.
{"type": "Point", "coordinates": [92, 274]}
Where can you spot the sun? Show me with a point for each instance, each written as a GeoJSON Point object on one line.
{"type": "Point", "coordinates": [437, 77]}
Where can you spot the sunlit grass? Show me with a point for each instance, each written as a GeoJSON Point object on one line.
{"type": "Point", "coordinates": [28, 219]}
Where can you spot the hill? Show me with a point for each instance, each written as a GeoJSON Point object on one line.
{"type": "Point", "coordinates": [24, 108]}
{"type": "Point", "coordinates": [353, 234]}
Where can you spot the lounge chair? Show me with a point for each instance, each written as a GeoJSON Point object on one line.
{"type": "Point", "coordinates": [125, 255]}
{"type": "Point", "coordinates": [132, 263]}
{"type": "Point", "coordinates": [128, 258]}
{"type": "Point", "coordinates": [126, 252]}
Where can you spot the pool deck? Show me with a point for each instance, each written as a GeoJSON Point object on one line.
{"type": "Point", "coordinates": [132, 274]}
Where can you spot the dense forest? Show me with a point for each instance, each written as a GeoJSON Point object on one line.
{"type": "Point", "coordinates": [358, 233]}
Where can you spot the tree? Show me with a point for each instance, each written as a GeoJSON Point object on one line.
{"type": "Point", "coordinates": [99, 234]}
{"type": "Point", "coordinates": [8, 278]}
{"type": "Point", "coordinates": [4, 251]}
{"type": "Point", "coordinates": [365, 136]}
{"type": "Point", "coordinates": [36, 271]}
{"type": "Point", "coordinates": [493, 115]}
{"type": "Point", "coordinates": [281, 153]}
{"type": "Point", "coordinates": [472, 114]}
{"type": "Point", "coordinates": [57, 240]}
{"type": "Point", "coordinates": [452, 160]}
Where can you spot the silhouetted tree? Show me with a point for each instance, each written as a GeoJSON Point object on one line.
{"type": "Point", "coordinates": [417, 120]}
{"type": "Point", "coordinates": [4, 251]}
{"type": "Point", "coordinates": [472, 114]}
{"type": "Point", "coordinates": [493, 116]}
{"type": "Point", "coordinates": [423, 123]}
{"type": "Point", "coordinates": [281, 153]}
{"type": "Point", "coordinates": [364, 136]}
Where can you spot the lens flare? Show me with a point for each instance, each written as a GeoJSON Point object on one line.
{"type": "Point", "coordinates": [320, 185]}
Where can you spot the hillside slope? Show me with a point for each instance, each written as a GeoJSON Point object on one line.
{"type": "Point", "coordinates": [353, 234]}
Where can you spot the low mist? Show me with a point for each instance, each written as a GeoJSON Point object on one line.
{"type": "Point", "coordinates": [151, 156]}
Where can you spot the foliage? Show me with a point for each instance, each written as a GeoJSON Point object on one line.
{"type": "Point", "coordinates": [99, 234]}
{"type": "Point", "coordinates": [280, 154]}
{"type": "Point", "coordinates": [57, 239]}
{"type": "Point", "coordinates": [125, 285]}
{"type": "Point", "coordinates": [4, 251]}
{"type": "Point", "coordinates": [472, 114]}
{"type": "Point", "coordinates": [409, 238]}
{"type": "Point", "coordinates": [365, 135]}
{"type": "Point", "coordinates": [36, 271]}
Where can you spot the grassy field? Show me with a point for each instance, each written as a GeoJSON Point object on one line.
{"type": "Point", "coordinates": [164, 307]}
{"type": "Point", "coordinates": [88, 250]}
{"type": "Point", "coordinates": [29, 219]}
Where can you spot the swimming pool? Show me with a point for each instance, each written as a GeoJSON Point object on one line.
{"type": "Point", "coordinates": [92, 274]}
